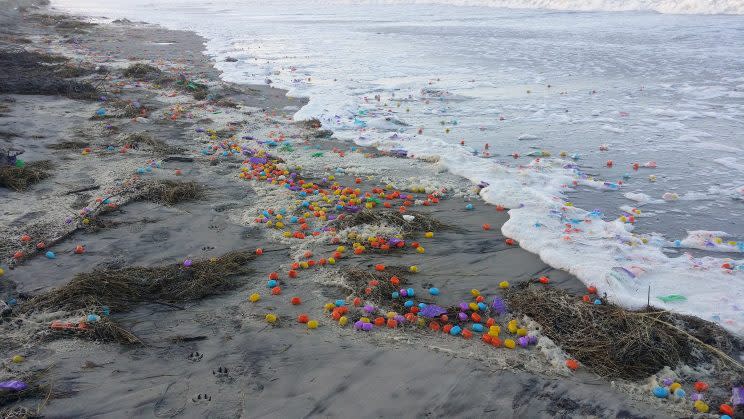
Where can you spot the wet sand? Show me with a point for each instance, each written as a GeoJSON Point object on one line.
{"type": "Point", "coordinates": [271, 371]}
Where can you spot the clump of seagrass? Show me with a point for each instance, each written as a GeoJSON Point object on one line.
{"type": "Point", "coordinates": [125, 288]}
{"type": "Point", "coordinates": [608, 339]}
{"type": "Point", "coordinates": [21, 178]}
{"type": "Point", "coordinates": [141, 70]}
{"type": "Point", "coordinates": [103, 330]}
{"type": "Point", "coordinates": [422, 221]}
{"type": "Point", "coordinates": [169, 192]}
{"type": "Point", "coordinates": [359, 279]}
{"type": "Point", "coordinates": [158, 146]}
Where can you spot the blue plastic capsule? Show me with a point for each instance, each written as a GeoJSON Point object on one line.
{"type": "Point", "coordinates": [410, 292]}
{"type": "Point", "coordinates": [271, 283]}
{"type": "Point", "coordinates": [482, 306]}
{"type": "Point", "coordinates": [408, 304]}
{"type": "Point", "coordinates": [477, 327]}
{"type": "Point", "coordinates": [434, 291]}
{"type": "Point", "coordinates": [50, 255]}
{"type": "Point", "coordinates": [456, 330]}
{"type": "Point", "coordinates": [469, 207]}
{"type": "Point", "coordinates": [340, 303]}
{"type": "Point", "coordinates": [394, 294]}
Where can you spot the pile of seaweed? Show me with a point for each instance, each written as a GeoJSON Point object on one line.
{"type": "Point", "coordinates": [618, 343]}
{"type": "Point", "coordinates": [125, 288]}
{"type": "Point", "coordinates": [30, 73]}
{"type": "Point", "coordinates": [421, 222]}
{"type": "Point", "coordinates": [20, 178]}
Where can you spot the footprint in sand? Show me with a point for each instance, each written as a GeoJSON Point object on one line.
{"type": "Point", "coordinates": [195, 356]}
{"type": "Point", "coordinates": [221, 372]}
{"type": "Point", "coordinates": [202, 398]}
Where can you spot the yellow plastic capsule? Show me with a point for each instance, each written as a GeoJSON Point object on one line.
{"type": "Point", "coordinates": [413, 269]}
{"type": "Point", "coordinates": [343, 320]}
{"type": "Point", "coordinates": [279, 224]}
{"type": "Point", "coordinates": [701, 406]}
{"type": "Point", "coordinates": [17, 359]}
{"type": "Point", "coordinates": [512, 326]}
{"type": "Point", "coordinates": [494, 331]}
{"type": "Point", "coordinates": [521, 332]}
{"type": "Point", "coordinates": [287, 234]}
{"type": "Point", "coordinates": [429, 234]}
{"type": "Point", "coordinates": [473, 306]}
{"type": "Point", "coordinates": [474, 292]}
{"type": "Point", "coordinates": [271, 318]}
{"type": "Point", "coordinates": [674, 387]}
{"type": "Point", "coordinates": [254, 297]}
{"type": "Point", "coordinates": [312, 324]}
{"type": "Point", "coordinates": [420, 249]}
{"type": "Point", "coordinates": [509, 343]}
{"type": "Point", "coordinates": [364, 319]}
{"type": "Point", "coordinates": [504, 284]}
{"type": "Point", "coordinates": [390, 314]}
{"type": "Point", "coordinates": [2, 272]}
{"type": "Point", "coordinates": [341, 249]}
{"type": "Point", "coordinates": [332, 261]}
{"type": "Point", "coordinates": [329, 306]}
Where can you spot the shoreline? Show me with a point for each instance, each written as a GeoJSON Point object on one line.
{"type": "Point", "coordinates": [145, 233]}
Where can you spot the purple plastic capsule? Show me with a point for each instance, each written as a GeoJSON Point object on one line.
{"type": "Point", "coordinates": [399, 318]}
{"type": "Point", "coordinates": [13, 385]}
{"type": "Point", "coordinates": [403, 292]}
{"type": "Point", "coordinates": [696, 396]}
{"type": "Point", "coordinates": [358, 324]}
{"type": "Point", "coordinates": [464, 306]}
{"type": "Point", "coordinates": [367, 327]}
{"type": "Point", "coordinates": [667, 381]}
{"type": "Point", "coordinates": [524, 341]}
{"type": "Point", "coordinates": [368, 308]}
{"type": "Point", "coordinates": [532, 339]}
{"type": "Point", "coordinates": [462, 316]}
{"type": "Point", "coordinates": [187, 263]}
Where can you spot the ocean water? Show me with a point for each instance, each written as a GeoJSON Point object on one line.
{"type": "Point", "coordinates": [531, 99]}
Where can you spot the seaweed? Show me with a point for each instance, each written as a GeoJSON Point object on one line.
{"type": "Point", "coordinates": [169, 192]}
{"type": "Point", "coordinates": [422, 221]}
{"type": "Point", "coordinates": [141, 71]}
{"type": "Point", "coordinates": [21, 178]}
{"type": "Point", "coordinates": [124, 289]}
{"type": "Point", "coordinates": [615, 342]}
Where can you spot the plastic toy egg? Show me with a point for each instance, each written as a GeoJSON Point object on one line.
{"type": "Point", "coordinates": [17, 359]}
{"type": "Point", "coordinates": [312, 324]}
{"type": "Point", "coordinates": [701, 406]}
{"type": "Point", "coordinates": [509, 343]}
{"type": "Point", "coordinates": [572, 364]}
{"type": "Point", "coordinates": [469, 207]}
{"type": "Point", "coordinates": [413, 269]}
{"type": "Point", "coordinates": [434, 291]}
{"type": "Point", "coordinates": [494, 331]}
{"type": "Point", "coordinates": [504, 284]}
{"type": "Point", "coordinates": [50, 255]}
{"type": "Point", "coordinates": [429, 234]}
{"type": "Point", "coordinates": [661, 392]}
{"type": "Point", "coordinates": [271, 318]}
{"type": "Point", "coordinates": [296, 301]}
{"type": "Point", "coordinates": [343, 320]}
{"type": "Point", "coordinates": [254, 297]}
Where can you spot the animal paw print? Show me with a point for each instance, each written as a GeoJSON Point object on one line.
{"type": "Point", "coordinates": [195, 356]}
{"type": "Point", "coordinates": [207, 248]}
{"type": "Point", "coordinates": [221, 372]}
{"type": "Point", "coordinates": [214, 227]}
{"type": "Point", "coordinates": [202, 398]}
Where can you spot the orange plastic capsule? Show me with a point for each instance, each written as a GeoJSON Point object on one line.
{"type": "Point", "coordinates": [379, 267]}
{"type": "Point", "coordinates": [296, 301]}
{"type": "Point", "coordinates": [379, 321]}
{"type": "Point", "coordinates": [303, 318]}
{"type": "Point", "coordinates": [276, 291]}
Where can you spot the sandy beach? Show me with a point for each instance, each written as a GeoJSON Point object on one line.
{"type": "Point", "coordinates": [153, 199]}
